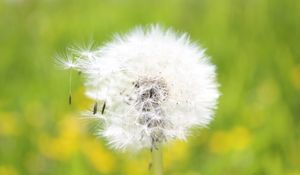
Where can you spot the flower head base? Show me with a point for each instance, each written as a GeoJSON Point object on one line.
{"type": "Point", "coordinates": [156, 85]}
{"type": "Point", "coordinates": [150, 93]}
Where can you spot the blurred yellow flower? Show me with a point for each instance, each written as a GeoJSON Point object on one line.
{"type": "Point", "coordinates": [102, 160]}
{"type": "Point", "coordinates": [8, 125]}
{"type": "Point", "coordinates": [294, 173]}
{"type": "Point", "coordinates": [236, 139]}
{"type": "Point", "coordinates": [66, 143]}
{"type": "Point", "coordinates": [136, 166]}
{"type": "Point", "coordinates": [177, 150]}
{"type": "Point", "coordinates": [218, 142]}
{"type": "Point", "coordinates": [241, 138]}
{"type": "Point", "coordinates": [8, 170]}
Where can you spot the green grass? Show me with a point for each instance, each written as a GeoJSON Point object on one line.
{"type": "Point", "coordinates": [254, 43]}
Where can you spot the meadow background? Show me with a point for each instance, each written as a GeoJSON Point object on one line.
{"type": "Point", "coordinates": [254, 43]}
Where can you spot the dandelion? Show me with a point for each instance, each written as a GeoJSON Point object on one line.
{"type": "Point", "coordinates": [155, 84]}
{"type": "Point", "coordinates": [70, 64]}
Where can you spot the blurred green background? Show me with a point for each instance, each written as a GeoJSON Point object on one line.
{"type": "Point", "coordinates": [254, 43]}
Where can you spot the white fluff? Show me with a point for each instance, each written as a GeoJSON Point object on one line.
{"type": "Point", "coordinates": [156, 84]}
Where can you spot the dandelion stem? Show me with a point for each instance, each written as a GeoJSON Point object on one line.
{"type": "Point", "coordinates": [157, 163]}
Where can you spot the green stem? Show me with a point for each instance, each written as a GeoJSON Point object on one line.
{"type": "Point", "coordinates": [157, 163]}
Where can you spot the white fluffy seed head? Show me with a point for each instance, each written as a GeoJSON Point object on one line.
{"type": "Point", "coordinates": [156, 84]}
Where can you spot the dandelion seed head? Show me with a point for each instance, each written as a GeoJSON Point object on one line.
{"type": "Point", "coordinates": [66, 62]}
{"type": "Point", "coordinates": [157, 85]}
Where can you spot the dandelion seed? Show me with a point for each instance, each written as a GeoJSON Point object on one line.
{"type": "Point", "coordinates": [157, 84]}
{"type": "Point", "coordinates": [70, 99]}
{"type": "Point", "coordinates": [70, 87]}
{"type": "Point", "coordinates": [95, 109]}
{"type": "Point", "coordinates": [69, 64]}
{"type": "Point", "coordinates": [103, 108]}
